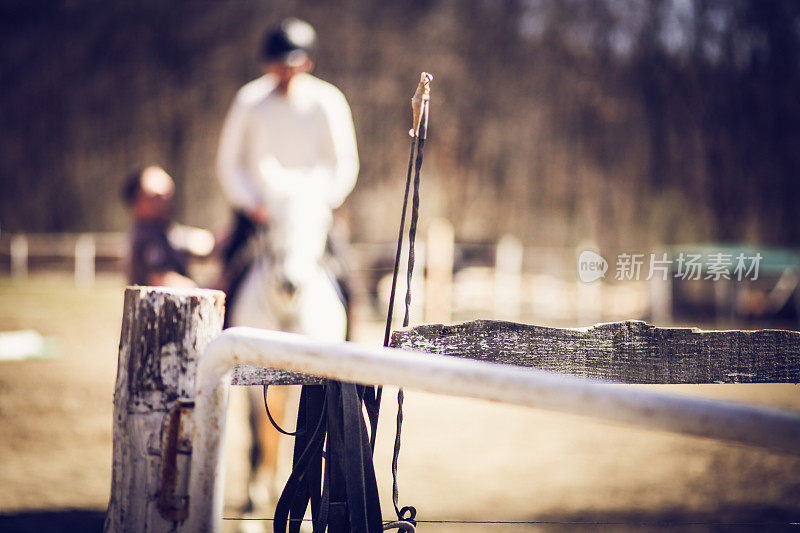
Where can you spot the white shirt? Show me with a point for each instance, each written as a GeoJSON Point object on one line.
{"type": "Point", "coordinates": [273, 145]}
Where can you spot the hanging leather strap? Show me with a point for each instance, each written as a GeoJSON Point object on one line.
{"type": "Point", "coordinates": [348, 499]}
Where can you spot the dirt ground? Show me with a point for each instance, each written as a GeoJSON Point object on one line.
{"type": "Point", "coordinates": [464, 460]}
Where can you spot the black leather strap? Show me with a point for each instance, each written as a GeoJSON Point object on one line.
{"type": "Point", "coordinates": [344, 499]}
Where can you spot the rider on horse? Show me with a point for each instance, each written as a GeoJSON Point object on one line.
{"type": "Point", "coordinates": [284, 126]}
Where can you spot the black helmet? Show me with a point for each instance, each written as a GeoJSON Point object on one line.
{"type": "Point", "coordinates": [292, 41]}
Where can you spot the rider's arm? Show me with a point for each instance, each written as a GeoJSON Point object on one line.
{"type": "Point", "coordinates": [237, 183]}
{"type": "Point", "coordinates": [340, 148]}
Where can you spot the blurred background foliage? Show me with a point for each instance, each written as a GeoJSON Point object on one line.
{"type": "Point", "coordinates": [622, 122]}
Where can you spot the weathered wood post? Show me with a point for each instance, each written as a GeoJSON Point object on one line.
{"type": "Point", "coordinates": [589, 304]}
{"type": "Point", "coordinates": [439, 281]}
{"type": "Point", "coordinates": [85, 256]}
{"type": "Point", "coordinates": [164, 331]}
{"type": "Point", "coordinates": [661, 300]}
{"type": "Point", "coordinates": [19, 256]}
{"type": "Point", "coordinates": [508, 278]}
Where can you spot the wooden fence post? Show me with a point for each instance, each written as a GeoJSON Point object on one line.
{"type": "Point", "coordinates": [508, 278]}
{"type": "Point", "coordinates": [19, 256]}
{"type": "Point", "coordinates": [589, 304]}
{"type": "Point", "coordinates": [439, 282]}
{"type": "Point", "coordinates": [85, 255]}
{"type": "Point", "coordinates": [164, 331]}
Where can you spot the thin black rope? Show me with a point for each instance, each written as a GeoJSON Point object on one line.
{"type": "Point", "coordinates": [388, 332]}
{"type": "Point", "coordinates": [390, 313]}
{"type": "Point", "coordinates": [412, 228]}
{"type": "Point", "coordinates": [409, 513]}
{"type": "Point", "coordinates": [295, 433]}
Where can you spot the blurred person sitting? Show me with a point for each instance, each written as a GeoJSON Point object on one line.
{"type": "Point", "coordinates": [285, 128]}
{"type": "Point", "coordinates": [160, 248]}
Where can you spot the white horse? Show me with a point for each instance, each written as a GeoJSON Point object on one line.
{"type": "Point", "coordinates": [288, 289]}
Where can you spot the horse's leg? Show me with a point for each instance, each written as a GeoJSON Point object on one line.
{"type": "Point", "coordinates": [263, 491]}
{"type": "Point", "coordinates": [252, 309]}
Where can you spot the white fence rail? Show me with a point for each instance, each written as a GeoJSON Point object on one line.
{"type": "Point", "coordinates": [81, 252]}
{"type": "Point", "coordinates": [758, 426]}
{"type": "Point", "coordinates": [457, 280]}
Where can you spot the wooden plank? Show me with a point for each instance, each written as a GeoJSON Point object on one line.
{"type": "Point", "coordinates": [254, 375]}
{"type": "Point", "coordinates": [630, 351]}
{"type": "Point", "coordinates": [164, 332]}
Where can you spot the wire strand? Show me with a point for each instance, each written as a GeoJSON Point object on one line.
{"type": "Point", "coordinates": [556, 522]}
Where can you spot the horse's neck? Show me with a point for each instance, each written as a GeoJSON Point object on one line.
{"type": "Point", "coordinates": [300, 229]}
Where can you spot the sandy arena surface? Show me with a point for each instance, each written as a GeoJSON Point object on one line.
{"type": "Point", "coordinates": [461, 459]}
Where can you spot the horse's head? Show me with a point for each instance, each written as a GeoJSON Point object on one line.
{"type": "Point", "coordinates": [297, 236]}
{"type": "Point", "coordinates": [300, 220]}
{"type": "Point", "coordinates": [286, 286]}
